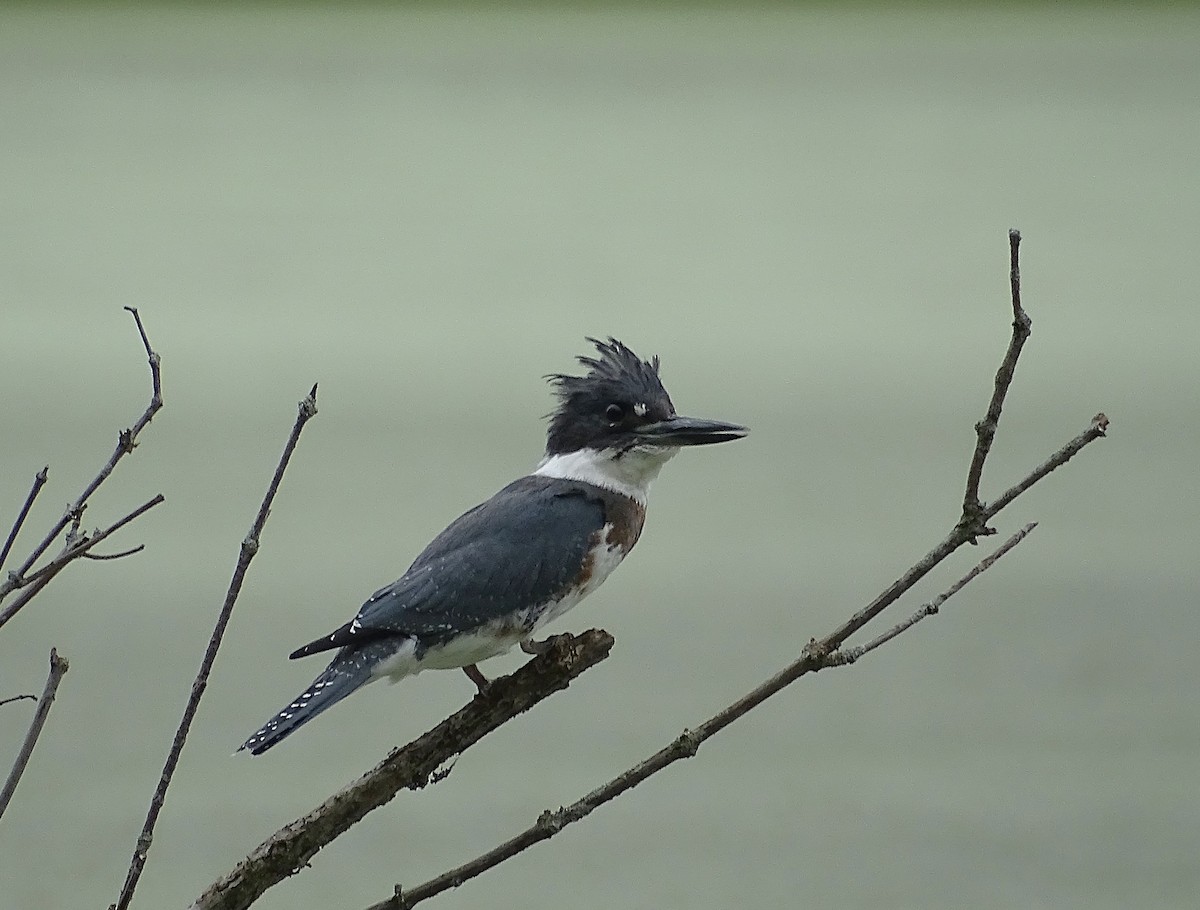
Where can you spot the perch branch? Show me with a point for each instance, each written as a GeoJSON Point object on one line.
{"type": "Point", "coordinates": [58, 666]}
{"type": "Point", "coordinates": [410, 767]}
{"type": "Point", "coordinates": [249, 547]}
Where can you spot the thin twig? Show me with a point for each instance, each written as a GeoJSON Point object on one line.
{"type": "Point", "coordinates": [126, 441]}
{"type": "Point", "coordinates": [1096, 430]}
{"type": "Point", "coordinates": [249, 547]}
{"type": "Point", "coordinates": [58, 666]}
{"type": "Point", "coordinates": [818, 655]}
{"type": "Point", "coordinates": [121, 555]}
{"type": "Point", "coordinates": [5, 701]}
{"type": "Point", "coordinates": [77, 546]}
{"type": "Point", "coordinates": [410, 767]}
{"type": "Point", "coordinates": [39, 481]}
{"type": "Point", "coordinates": [962, 534]}
{"type": "Point", "coordinates": [847, 656]}
{"type": "Point", "coordinates": [985, 430]}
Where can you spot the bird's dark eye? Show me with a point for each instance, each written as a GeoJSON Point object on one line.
{"type": "Point", "coordinates": [614, 413]}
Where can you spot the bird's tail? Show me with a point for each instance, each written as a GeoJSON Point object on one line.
{"type": "Point", "coordinates": [349, 671]}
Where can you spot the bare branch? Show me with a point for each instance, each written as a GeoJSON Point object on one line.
{"type": "Point", "coordinates": [847, 656]}
{"type": "Point", "coordinates": [975, 514]}
{"type": "Point", "coordinates": [58, 667]}
{"type": "Point", "coordinates": [126, 441]}
{"type": "Point", "coordinates": [77, 545]}
{"type": "Point", "coordinates": [39, 481]}
{"type": "Point", "coordinates": [985, 430]}
{"type": "Point", "coordinates": [410, 767]}
{"type": "Point", "coordinates": [962, 533]}
{"type": "Point", "coordinates": [818, 654]}
{"type": "Point", "coordinates": [6, 701]}
{"type": "Point", "coordinates": [249, 547]}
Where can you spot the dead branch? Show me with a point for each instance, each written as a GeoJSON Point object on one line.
{"type": "Point", "coordinates": [410, 767]}
{"type": "Point", "coordinates": [249, 547]}
{"type": "Point", "coordinates": [58, 667]}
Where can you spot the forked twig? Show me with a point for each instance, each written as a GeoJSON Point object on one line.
{"type": "Point", "coordinates": [58, 666]}
{"type": "Point", "coordinates": [249, 547]}
{"type": "Point", "coordinates": [77, 546]}
{"type": "Point", "coordinates": [846, 656]}
{"type": "Point", "coordinates": [126, 442]}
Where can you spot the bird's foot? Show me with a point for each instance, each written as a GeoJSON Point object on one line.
{"type": "Point", "coordinates": [529, 646]}
{"type": "Point", "coordinates": [482, 683]}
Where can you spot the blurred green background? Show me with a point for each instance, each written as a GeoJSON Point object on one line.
{"type": "Point", "coordinates": [804, 211]}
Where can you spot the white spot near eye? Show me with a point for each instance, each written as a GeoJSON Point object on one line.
{"type": "Point", "coordinates": [640, 409]}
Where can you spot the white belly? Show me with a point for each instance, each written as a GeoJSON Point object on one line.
{"type": "Point", "coordinates": [604, 558]}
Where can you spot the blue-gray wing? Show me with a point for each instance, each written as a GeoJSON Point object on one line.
{"type": "Point", "coordinates": [524, 546]}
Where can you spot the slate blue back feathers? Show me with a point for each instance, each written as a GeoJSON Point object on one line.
{"type": "Point", "coordinates": [525, 556]}
{"type": "Point", "coordinates": [495, 573]}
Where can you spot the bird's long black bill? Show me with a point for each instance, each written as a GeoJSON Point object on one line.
{"type": "Point", "coordinates": [690, 431]}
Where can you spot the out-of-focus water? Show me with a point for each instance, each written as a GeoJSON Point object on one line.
{"type": "Point", "coordinates": [805, 213]}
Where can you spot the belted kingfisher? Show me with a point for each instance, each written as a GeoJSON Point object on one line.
{"type": "Point", "coordinates": [507, 567]}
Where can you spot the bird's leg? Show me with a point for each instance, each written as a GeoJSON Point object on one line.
{"type": "Point", "coordinates": [473, 673]}
{"type": "Point", "coordinates": [529, 646]}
